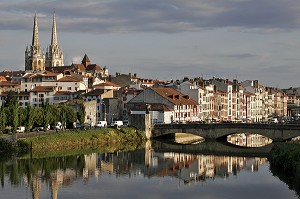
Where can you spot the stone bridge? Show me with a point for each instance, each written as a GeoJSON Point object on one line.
{"type": "Point", "coordinates": [277, 132]}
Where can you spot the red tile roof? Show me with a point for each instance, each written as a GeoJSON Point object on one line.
{"type": "Point", "coordinates": [3, 79]}
{"type": "Point", "coordinates": [107, 83]}
{"type": "Point", "coordinates": [93, 67]}
{"type": "Point", "coordinates": [9, 83]}
{"type": "Point", "coordinates": [43, 89]}
{"type": "Point", "coordinates": [80, 67]}
{"type": "Point", "coordinates": [69, 79]}
{"type": "Point", "coordinates": [174, 96]}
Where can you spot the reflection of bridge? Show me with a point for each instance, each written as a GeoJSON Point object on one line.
{"type": "Point", "coordinates": [277, 132]}
{"type": "Point", "coordinates": [214, 148]}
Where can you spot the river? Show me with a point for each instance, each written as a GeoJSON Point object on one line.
{"type": "Point", "coordinates": [142, 173]}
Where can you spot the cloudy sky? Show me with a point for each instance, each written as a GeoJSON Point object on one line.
{"type": "Point", "coordinates": [164, 39]}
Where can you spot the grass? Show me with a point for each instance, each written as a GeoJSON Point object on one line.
{"type": "Point", "coordinates": [94, 138]}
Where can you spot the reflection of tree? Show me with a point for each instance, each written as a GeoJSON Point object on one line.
{"type": "Point", "coordinates": [41, 167]}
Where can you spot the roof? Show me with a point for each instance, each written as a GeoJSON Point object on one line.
{"type": "Point", "coordinates": [11, 73]}
{"type": "Point", "coordinates": [95, 92]}
{"type": "Point", "coordinates": [174, 96]}
{"type": "Point", "coordinates": [94, 67]}
{"type": "Point", "coordinates": [63, 93]}
{"type": "Point", "coordinates": [153, 107]}
{"type": "Point", "coordinates": [59, 69]}
{"type": "Point", "coordinates": [44, 74]}
{"type": "Point", "coordinates": [3, 79]}
{"type": "Point", "coordinates": [81, 67]}
{"type": "Point", "coordinates": [22, 93]}
{"type": "Point", "coordinates": [8, 83]}
{"type": "Point", "coordinates": [68, 79]}
{"type": "Point", "coordinates": [86, 60]}
{"type": "Point", "coordinates": [107, 83]}
{"type": "Point", "coordinates": [43, 89]}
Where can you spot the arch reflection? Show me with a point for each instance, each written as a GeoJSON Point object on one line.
{"type": "Point", "coordinates": [248, 140]}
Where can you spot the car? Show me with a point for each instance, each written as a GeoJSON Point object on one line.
{"type": "Point", "coordinates": [7, 131]}
{"type": "Point", "coordinates": [21, 129]}
{"type": "Point", "coordinates": [117, 123]}
{"type": "Point", "coordinates": [101, 124]}
{"type": "Point", "coordinates": [38, 128]}
{"type": "Point", "coordinates": [125, 122]}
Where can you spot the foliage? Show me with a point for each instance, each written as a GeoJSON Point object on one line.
{"type": "Point", "coordinates": [285, 163]}
{"type": "Point", "coordinates": [11, 99]}
{"type": "Point", "coordinates": [14, 110]}
{"type": "Point", "coordinates": [3, 118]}
{"type": "Point", "coordinates": [93, 137]}
{"type": "Point", "coordinates": [30, 117]}
{"type": "Point", "coordinates": [47, 114]}
{"type": "Point", "coordinates": [81, 113]}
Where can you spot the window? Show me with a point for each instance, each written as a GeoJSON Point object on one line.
{"type": "Point", "coordinates": [69, 88]}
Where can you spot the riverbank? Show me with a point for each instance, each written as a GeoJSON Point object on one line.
{"type": "Point", "coordinates": [108, 138]}
{"type": "Point", "coordinates": [285, 163]}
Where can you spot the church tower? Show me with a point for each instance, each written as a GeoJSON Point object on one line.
{"type": "Point", "coordinates": [54, 55]}
{"type": "Point", "coordinates": [34, 55]}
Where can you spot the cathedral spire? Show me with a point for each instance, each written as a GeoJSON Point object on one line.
{"type": "Point", "coordinates": [54, 55]}
{"type": "Point", "coordinates": [35, 36]}
{"type": "Point", "coordinates": [54, 36]}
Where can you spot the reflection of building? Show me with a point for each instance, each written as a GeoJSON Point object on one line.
{"type": "Point", "coordinates": [249, 140]}
{"type": "Point", "coordinates": [187, 167]}
{"type": "Point", "coordinates": [191, 167]}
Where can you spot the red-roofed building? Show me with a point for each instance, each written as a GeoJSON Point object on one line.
{"type": "Point", "coordinates": [185, 108]}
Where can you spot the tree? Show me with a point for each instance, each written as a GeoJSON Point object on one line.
{"type": "Point", "coordinates": [3, 118]}
{"type": "Point", "coordinates": [22, 116]}
{"type": "Point", "coordinates": [81, 113]}
{"type": "Point", "coordinates": [47, 115]}
{"type": "Point", "coordinates": [30, 117]}
{"type": "Point", "coordinates": [11, 99]}
{"type": "Point", "coordinates": [14, 110]}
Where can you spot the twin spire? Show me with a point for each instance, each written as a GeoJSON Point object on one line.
{"type": "Point", "coordinates": [35, 59]}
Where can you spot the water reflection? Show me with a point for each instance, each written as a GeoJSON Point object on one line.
{"type": "Point", "coordinates": [55, 173]}
{"type": "Point", "coordinates": [248, 140]}
{"type": "Point", "coordinates": [193, 167]}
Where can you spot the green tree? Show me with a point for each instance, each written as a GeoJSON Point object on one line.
{"type": "Point", "coordinates": [14, 110]}
{"type": "Point", "coordinates": [30, 117]}
{"type": "Point", "coordinates": [71, 116]}
{"type": "Point", "coordinates": [22, 116]}
{"type": "Point", "coordinates": [47, 115]}
{"type": "Point", "coordinates": [3, 118]}
{"type": "Point", "coordinates": [11, 99]}
{"type": "Point", "coordinates": [81, 113]}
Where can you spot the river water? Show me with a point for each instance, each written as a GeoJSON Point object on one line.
{"type": "Point", "coordinates": [144, 173]}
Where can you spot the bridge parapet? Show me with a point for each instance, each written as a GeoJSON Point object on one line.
{"type": "Point", "coordinates": [277, 132]}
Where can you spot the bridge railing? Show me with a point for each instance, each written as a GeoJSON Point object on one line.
{"type": "Point", "coordinates": [229, 125]}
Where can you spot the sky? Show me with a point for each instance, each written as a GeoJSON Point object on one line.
{"type": "Point", "coordinates": [164, 39]}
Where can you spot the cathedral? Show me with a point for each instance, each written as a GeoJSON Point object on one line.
{"type": "Point", "coordinates": [35, 58]}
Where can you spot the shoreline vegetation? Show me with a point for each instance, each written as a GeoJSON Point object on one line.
{"type": "Point", "coordinates": [285, 163]}
{"type": "Point", "coordinates": [72, 142]}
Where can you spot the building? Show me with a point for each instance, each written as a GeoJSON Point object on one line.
{"type": "Point", "coordinates": [35, 58]}
{"type": "Point", "coordinates": [54, 54]}
{"type": "Point", "coordinates": [34, 55]}
{"type": "Point", "coordinates": [185, 109]}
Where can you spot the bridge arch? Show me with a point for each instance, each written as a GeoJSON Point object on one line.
{"type": "Point", "coordinates": [215, 131]}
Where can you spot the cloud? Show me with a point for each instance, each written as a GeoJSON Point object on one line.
{"type": "Point", "coordinates": [155, 15]}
